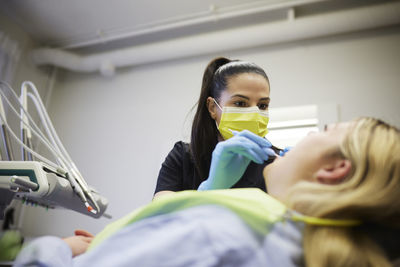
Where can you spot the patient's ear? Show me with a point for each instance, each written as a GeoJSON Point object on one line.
{"type": "Point", "coordinates": [334, 172]}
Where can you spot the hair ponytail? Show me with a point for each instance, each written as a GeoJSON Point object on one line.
{"type": "Point", "coordinates": [204, 135]}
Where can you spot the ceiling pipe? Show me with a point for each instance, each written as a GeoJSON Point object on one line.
{"type": "Point", "coordinates": [216, 42]}
{"type": "Point", "coordinates": [212, 15]}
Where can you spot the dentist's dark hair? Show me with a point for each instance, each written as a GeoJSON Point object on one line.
{"type": "Point", "coordinates": [204, 136]}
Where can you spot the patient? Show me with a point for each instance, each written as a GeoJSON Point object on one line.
{"type": "Point", "coordinates": [327, 198]}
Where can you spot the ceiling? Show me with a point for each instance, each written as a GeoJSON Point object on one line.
{"type": "Point", "coordinates": [103, 25]}
{"type": "Point", "coordinates": [103, 35]}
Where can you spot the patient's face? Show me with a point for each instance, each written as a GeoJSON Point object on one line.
{"type": "Point", "coordinates": [304, 161]}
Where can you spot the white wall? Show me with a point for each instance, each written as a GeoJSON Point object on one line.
{"type": "Point", "coordinates": [119, 130]}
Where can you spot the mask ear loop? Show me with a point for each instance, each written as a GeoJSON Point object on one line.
{"type": "Point", "coordinates": [216, 124]}
{"type": "Point", "coordinates": [217, 104]}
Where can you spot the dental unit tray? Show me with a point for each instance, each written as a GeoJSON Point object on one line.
{"type": "Point", "coordinates": [37, 184]}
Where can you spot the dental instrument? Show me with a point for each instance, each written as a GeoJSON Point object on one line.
{"type": "Point", "coordinates": [37, 179]}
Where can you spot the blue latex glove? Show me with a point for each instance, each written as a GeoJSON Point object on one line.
{"type": "Point", "coordinates": [230, 159]}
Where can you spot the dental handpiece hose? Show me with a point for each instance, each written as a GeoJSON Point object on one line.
{"type": "Point", "coordinates": [84, 187]}
{"type": "Point", "coordinates": [75, 186]}
{"type": "Point", "coordinates": [78, 190]}
{"type": "Point", "coordinates": [71, 176]}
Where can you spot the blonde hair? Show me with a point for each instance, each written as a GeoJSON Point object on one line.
{"type": "Point", "coordinates": [370, 193]}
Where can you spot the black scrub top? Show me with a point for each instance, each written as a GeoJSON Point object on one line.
{"type": "Point", "coordinates": [178, 172]}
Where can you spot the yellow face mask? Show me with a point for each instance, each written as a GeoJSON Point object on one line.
{"type": "Point", "coordinates": [239, 119]}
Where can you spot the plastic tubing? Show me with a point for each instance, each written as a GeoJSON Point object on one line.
{"type": "Point", "coordinates": [44, 122]}
{"type": "Point", "coordinates": [38, 133]}
{"type": "Point", "coordinates": [51, 132]}
{"type": "Point", "coordinates": [57, 142]}
{"type": "Point", "coordinates": [26, 147]}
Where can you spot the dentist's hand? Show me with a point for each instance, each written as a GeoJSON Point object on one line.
{"type": "Point", "coordinates": [230, 159]}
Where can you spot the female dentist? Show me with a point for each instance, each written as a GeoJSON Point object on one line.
{"type": "Point", "coordinates": [227, 147]}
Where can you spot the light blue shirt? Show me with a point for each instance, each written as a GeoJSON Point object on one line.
{"type": "Point", "coordinates": [208, 235]}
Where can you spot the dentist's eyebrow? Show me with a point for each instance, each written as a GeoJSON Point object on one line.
{"type": "Point", "coordinates": [242, 96]}
{"type": "Point", "coordinates": [245, 97]}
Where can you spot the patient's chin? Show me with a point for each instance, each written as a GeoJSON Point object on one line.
{"type": "Point", "coordinates": [267, 170]}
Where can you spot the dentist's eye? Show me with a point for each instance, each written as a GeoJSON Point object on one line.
{"type": "Point", "coordinates": [240, 104]}
{"type": "Point", "coordinates": [263, 106]}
